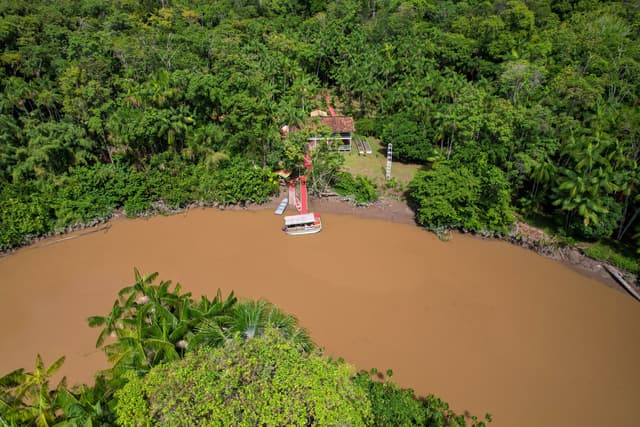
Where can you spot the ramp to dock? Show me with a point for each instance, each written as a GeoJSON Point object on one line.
{"type": "Point", "coordinates": [282, 206]}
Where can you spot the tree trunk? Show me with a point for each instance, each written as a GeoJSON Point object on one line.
{"type": "Point", "coordinates": [623, 231]}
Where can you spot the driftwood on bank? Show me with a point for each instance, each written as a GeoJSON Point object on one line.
{"type": "Point", "coordinates": [620, 279]}
{"type": "Point", "coordinates": [105, 227]}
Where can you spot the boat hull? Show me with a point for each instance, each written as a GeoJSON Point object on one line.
{"type": "Point", "coordinates": [309, 230]}
{"type": "Point", "coordinates": [308, 223]}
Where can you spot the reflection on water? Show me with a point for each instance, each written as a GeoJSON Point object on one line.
{"type": "Point", "coordinates": [485, 325]}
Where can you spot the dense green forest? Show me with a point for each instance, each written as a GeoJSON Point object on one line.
{"type": "Point", "coordinates": [513, 107]}
{"type": "Point", "coordinates": [176, 361]}
{"type": "Point", "coordinates": [527, 107]}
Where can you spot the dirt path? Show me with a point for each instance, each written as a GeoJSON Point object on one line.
{"type": "Point", "coordinates": [488, 326]}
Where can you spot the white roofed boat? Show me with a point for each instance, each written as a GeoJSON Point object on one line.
{"type": "Point", "coordinates": [308, 223]}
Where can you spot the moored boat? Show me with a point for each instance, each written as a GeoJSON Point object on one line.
{"type": "Point", "coordinates": [308, 223]}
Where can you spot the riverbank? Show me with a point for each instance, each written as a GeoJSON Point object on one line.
{"type": "Point", "coordinates": [523, 235]}
{"type": "Point", "coordinates": [385, 209]}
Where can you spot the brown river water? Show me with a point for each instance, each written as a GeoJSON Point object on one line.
{"type": "Point", "coordinates": [485, 325]}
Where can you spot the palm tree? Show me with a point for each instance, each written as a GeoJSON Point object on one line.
{"type": "Point", "coordinates": [25, 397]}
{"type": "Point", "coordinates": [583, 195]}
{"type": "Point", "coordinates": [250, 319]}
{"type": "Point", "coordinates": [543, 171]}
{"type": "Point", "coordinates": [110, 322]}
{"type": "Point", "coordinates": [148, 321]}
{"type": "Point", "coordinates": [87, 406]}
{"type": "Point", "coordinates": [153, 324]}
{"type": "Point", "coordinates": [140, 347]}
{"type": "Point", "coordinates": [208, 318]}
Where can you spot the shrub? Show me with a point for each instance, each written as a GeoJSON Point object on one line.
{"type": "Point", "coordinates": [238, 182]}
{"type": "Point", "coordinates": [361, 188]}
{"type": "Point", "coordinates": [410, 142]}
{"type": "Point", "coordinates": [24, 212]}
{"type": "Point", "coordinates": [84, 195]}
{"type": "Point", "coordinates": [453, 196]}
{"type": "Point", "coordinates": [87, 194]}
{"type": "Point", "coordinates": [605, 252]}
{"type": "Point", "coordinates": [369, 127]}
{"type": "Point", "coordinates": [603, 227]}
{"type": "Point", "coordinates": [264, 381]}
{"type": "Point", "coordinates": [392, 406]}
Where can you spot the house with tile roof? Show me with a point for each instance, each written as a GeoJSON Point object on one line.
{"type": "Point", "coordinates": [342, 128]}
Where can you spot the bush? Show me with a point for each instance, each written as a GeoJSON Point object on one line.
{"type": "Point", "coordinates": [136, 206]}
{"type": "Point", "coordinates": [24, 213]}
{"type": "Point", "coordinates": [85, 194]}
{"type": "Point", "coordinates": [238, 182]}
{"type": "Point", "coordinates": [89, 194]}
{"type": "Point", "coordinates": [409, 139]}
{"type": "Point", "coordinates": [369, 127]}
{"type": "Point", "coordinates": [361, 188]}
{"type": "Point", "coordinates": [453, 196]}
{"type": "Point", "coordinates": [601, 229]}
{"type": "Point", "coordinates": [390, 405]}
{"type": "Point", "coordinates": [607, 252]}
{"type": "Point", "coordinates": [393, 406]}
{"type": "Point", "coordinates": [264, 381]}
{"type": "Point", "coordinates": [170, 179]}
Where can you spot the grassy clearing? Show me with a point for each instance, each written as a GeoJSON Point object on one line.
{"type": "Point", "coordinates": [606, 250]}
{"type": "Point", "coordinates": [374, 167]}
{"type": "Point", "coordinates": [613, 253]}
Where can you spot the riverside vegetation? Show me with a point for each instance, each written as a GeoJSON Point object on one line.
{"type": "Point", "coordinates": [180, 361]}
{"type": "Point", "coordinates": [529, 106]}
{"type": "Point", "coordinates": [525, 107]}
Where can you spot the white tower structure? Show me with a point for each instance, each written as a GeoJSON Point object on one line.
{"type": "Point", "coordinates": [389, 155]}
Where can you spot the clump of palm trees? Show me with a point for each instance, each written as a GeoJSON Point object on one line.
{"type": "Point", "coordinates": [152, 324]}
{"type": "Point", "coordinates": [148, 325]}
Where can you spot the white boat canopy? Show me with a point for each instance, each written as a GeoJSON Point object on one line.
{"type": "Point", "coordinates": [299, 219]}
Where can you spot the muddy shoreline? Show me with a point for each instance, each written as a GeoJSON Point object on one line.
{"type": "Point", "coordinates": [385, 209]}
{"type": "Point", "coordinates": [523, 235]}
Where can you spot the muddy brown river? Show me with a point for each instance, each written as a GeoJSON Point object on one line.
{"type": "Point", "coordinates": [485, 325]}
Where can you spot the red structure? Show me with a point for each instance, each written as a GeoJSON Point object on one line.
{"type": "Point", "coordinates": [329, 107]}
{"type": "Point", "coordinates": [301, 204]}
{"type": "Point", "coordinates": [303, 194]}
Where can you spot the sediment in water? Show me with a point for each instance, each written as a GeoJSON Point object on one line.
{"type": "Point", "coordinates": [487, 326]}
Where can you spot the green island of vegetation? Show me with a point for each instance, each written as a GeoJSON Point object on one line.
{"type": "Point", "coordinates": [176, 361]}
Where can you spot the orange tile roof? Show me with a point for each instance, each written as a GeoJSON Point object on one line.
{"type": "Point", "coordinates": [339, 124]}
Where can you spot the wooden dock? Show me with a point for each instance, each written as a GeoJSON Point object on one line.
{"type": "Point", "coordinates": [281, 207]}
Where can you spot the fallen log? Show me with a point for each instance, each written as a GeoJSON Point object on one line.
{"type": "Point", "coordinates": [620, 279]}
